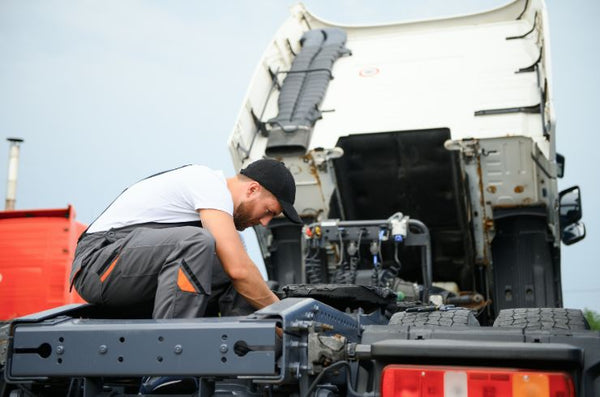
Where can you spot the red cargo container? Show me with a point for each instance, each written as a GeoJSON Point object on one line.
{"type": "Point", "coordinates": [36, 251]}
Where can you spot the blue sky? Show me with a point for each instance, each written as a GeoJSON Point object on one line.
{"type": "Point", "coordinates": [107, 92]}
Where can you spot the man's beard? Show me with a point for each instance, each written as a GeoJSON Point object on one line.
{"type": "Point", "coordinates": [241, 217]}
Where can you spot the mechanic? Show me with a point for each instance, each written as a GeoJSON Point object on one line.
{"type": "Point", "coordinates": [170, 242]}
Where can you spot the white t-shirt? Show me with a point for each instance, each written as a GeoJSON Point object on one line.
{"type": "Point", "coordinates": [171, 197]}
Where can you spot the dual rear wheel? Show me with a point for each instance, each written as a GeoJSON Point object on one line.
{"type": "Point", "coordinates": [527, 318]}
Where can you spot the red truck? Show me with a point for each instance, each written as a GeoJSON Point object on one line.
{"type": "Point", "coordinates": [36, 251]}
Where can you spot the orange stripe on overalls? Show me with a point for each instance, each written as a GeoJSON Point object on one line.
{"type": "Point", "coordinates": [184, 283]}
{"type": "Point", "coordinates": [109, 270]}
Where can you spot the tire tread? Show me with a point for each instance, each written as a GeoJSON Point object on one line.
{"type": "Point", "coordinates": [445, 318]}
{"type": "Point", "coordinates": [542, 318]}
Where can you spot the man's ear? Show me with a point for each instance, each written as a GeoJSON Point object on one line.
{"type": "Point", "coordinates": [253, 187]}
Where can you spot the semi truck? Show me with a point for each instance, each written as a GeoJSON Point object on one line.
{"type": "Point", "coordinates": [428, 261]}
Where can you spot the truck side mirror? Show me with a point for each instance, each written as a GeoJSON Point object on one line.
{"type": "Point", "coordinates": [560, 165]}
{"type": "Point", "coordinates": [570, 206]}
{"type": "Point", "coordinates": [573, 233]}
{"type": "Point", "coordinates": [570, 212]}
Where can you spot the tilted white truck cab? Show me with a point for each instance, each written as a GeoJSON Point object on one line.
{"type": "Point", "coordinates": [448, 121]}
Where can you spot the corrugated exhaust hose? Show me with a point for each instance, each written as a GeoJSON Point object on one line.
{"type": "Point", "coordinates": [303, 90]}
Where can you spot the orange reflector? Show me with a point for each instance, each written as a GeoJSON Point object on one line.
{"type": "Point", "coordinates": [435, 381]}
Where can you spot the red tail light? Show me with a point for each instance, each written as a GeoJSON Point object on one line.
{"type": "Point", "coordinates": [434, 381]}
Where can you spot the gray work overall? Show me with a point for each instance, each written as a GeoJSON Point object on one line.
{"type": "Point", "coordinates": [173, 269]}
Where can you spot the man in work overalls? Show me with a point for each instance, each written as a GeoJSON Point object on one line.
{"type": "Point", "coordinates": [171, 242]}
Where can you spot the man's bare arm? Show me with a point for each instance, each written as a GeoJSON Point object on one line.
{"type": "Point", "coordinates": [244, 274]}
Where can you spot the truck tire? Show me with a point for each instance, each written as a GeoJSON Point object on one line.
{"type": "Point", "coordinates": [542, 318]}
{"type": "Point", "coordinates": [439, 318]}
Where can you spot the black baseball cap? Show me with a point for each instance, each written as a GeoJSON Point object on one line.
{"type": "Point", "coordinates": [274, 176]}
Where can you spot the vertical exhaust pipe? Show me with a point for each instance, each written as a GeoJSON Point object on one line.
{"type": "Point", "coordinates": [13, 170]}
